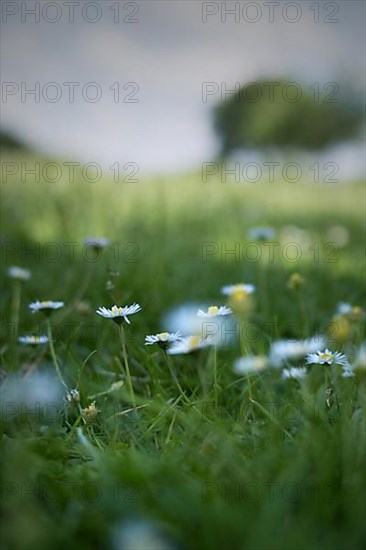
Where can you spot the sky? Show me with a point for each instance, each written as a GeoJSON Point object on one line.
{"type": "Point", "coordinates": [149, 62]}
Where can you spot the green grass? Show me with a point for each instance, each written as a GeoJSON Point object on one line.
{"type": "Point", "coordinates": [276, 464]}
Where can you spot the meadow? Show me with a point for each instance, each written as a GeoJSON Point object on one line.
{"type": "Point", "coordinates": [182, 451]}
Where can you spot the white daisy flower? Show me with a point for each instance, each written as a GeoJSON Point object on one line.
{"type": "Point", "coordinates": [229, 290]}
{"type": "Point", "coordinates": [214, 311]}
{"type": "Point", "coordinates": [245, 365]}
{"type": "Point", "coordinates": [46, 306]}
{"type": "Point", "coordinates": [295, 373]}
{"type": "Point", "coordinates": [239, 297]}
{"type": "Point", "coordinates": [261, 233]}
{"type": "Point", "coordinates": [31, 340]}
{"type": "Point", "coordinates": [162, 339]}
{"type": "Point", "coordinates": [189, 344]}
{"type": "Point", "coordinates": [39, 389]}
{"type": "Point", "coordinates": [348, 373]}
{"type": "Point", "coordinates": [221, 330]}
{"type": "Point", "coordinates": [19, 273]}
{"type": "Point", "coordinates": [343, 308]}
{"type": "Point", "coordinates": [284, 350]}
{"type": "Point", "coordinates": [327, 357]}
{"type": "Point", "coordinates": [97, 242]}
{"type": "Point", "coordinates": [118, 314]}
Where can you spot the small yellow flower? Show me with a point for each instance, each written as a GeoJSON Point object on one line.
{"type": "Point", "coordinates": [339, 329]}
{"type": "Point", "coordinates": [295, 281]}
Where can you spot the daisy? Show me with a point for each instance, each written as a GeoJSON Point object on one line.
{"type": "Point", "coordinates": [40, 391]}
{"type": "Point", "coordinates": [162, 339]}
{"type": "Point", "coordinates": [261, 233]}
{"type": "Point", "coordinates": [189, 344]}
{"type": "Point", "coordinates": [245, 365]}
{"type": "Point", "coordinates": [327, 357]}
{"type": "Point", "coordinates": [46, 306]}
{"type": "Point", "coordinates": [295, 373]}
{"type": "Point", "coordinates": [230, 290]}
{"type": "Point", "coordinates": [284, 350]}
{"type": "Point", "coordinates": [214, 311]}
{"type": "Point", "coordinates": [19, 273]}
{"type": "Point", "coordinates": [239, 297]}
{"type": "Point", "coordinates": [97, 242]}
{"type": "Point", "coordinates": [118, 314]}
{"type": "Point", "coordinates": [348, 373]}
{"type": "Point", "coordinates": [31, 340]}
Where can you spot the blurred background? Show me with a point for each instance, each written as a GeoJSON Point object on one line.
{"type": "Point", "coordinates": [164, 74]}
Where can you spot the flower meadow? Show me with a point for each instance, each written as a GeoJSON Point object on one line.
{"type": "Point", "coordinates": [191, 376]}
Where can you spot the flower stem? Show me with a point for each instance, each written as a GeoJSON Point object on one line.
{"type": "Point", "coordinates": [125, 360]}
{"type": "Point", "coordinates": [53, 355]}
{"type": "Point", "coordinates": [174, 376]}
{"type": "Point", "coordinates": [303, 312]}
{"type": "Point", "coordinates": [15, 306]}
{"type": "Point", "coordinates": [215, 373]}
{"type": "Point", "coordinates": [244, 352]}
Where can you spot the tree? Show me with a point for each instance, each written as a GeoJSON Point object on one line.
{"type": "Point", "coordinates": [282, 114]}
{"type": "Point", "coordinates": [10, 142]}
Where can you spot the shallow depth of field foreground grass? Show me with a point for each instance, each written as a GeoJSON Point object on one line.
{"type": "Point", "coordinates": [253, 461]}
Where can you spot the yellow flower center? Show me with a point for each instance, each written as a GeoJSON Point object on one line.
{"type": "Point", "coordinates": [326, 356]}
{"type": "Point", "coordinates": [194, 341]}
{"type": "Point", "coordinates": [356, 310]}
{"type": "Point", "coordinates": [212, 310]}
{"type": "Point", "coordinates": [163, 336]}
{"type": "Point", "coordinates": [238, 295]}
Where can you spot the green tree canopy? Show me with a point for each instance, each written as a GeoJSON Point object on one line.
{"type": "Point", "coordinates": [284, 114]}
{"type": "Point", "coordinates": [10, 142]}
